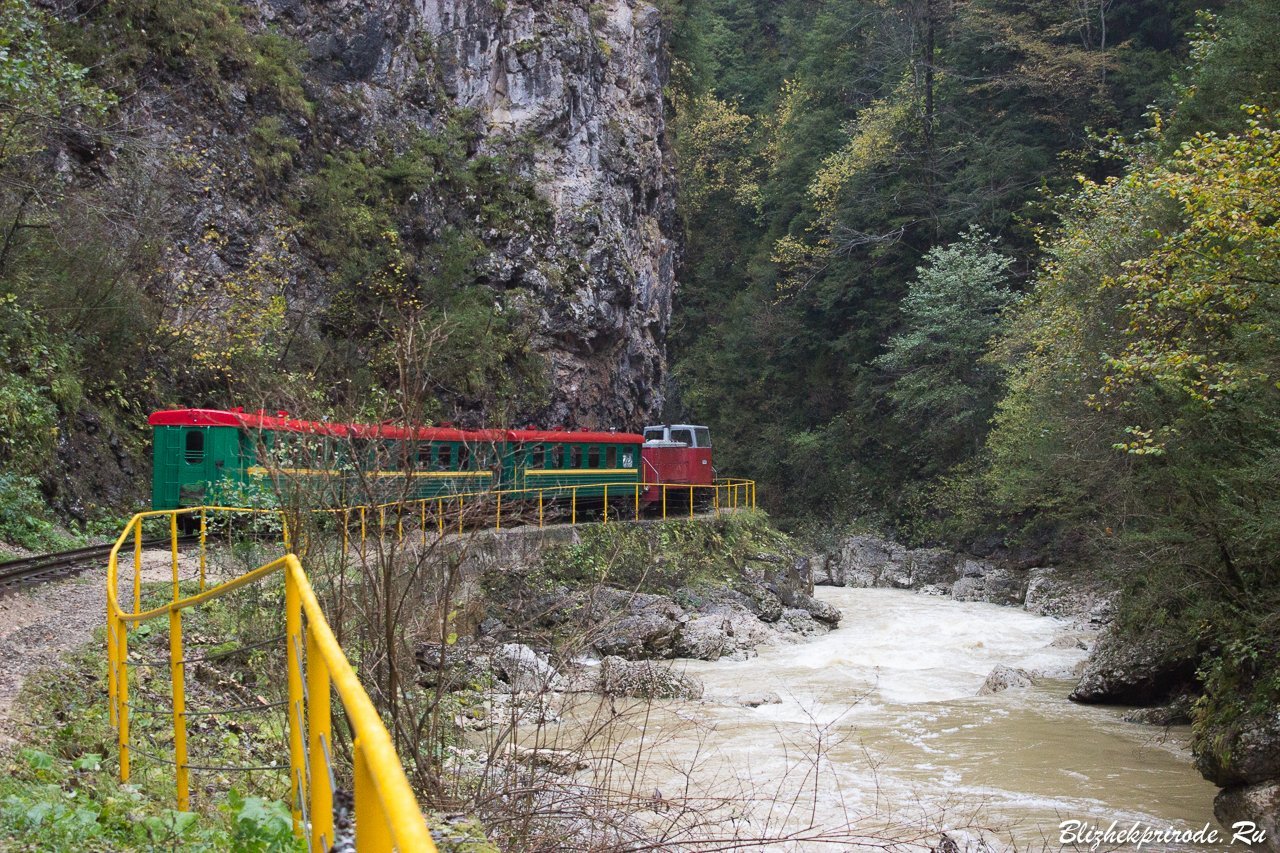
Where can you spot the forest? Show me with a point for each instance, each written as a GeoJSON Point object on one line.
{"type": "Point", "coordinates": [1002, 276]}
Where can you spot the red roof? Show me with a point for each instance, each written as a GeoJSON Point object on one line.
{"type": "Point", "coordinates": [283, 423]}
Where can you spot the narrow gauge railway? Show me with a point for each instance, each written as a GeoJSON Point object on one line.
{"type": "Point", "coordinates": [30, 571]}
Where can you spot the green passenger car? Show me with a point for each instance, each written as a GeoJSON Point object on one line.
{"type": "Point", "coordinates": [212, 457]}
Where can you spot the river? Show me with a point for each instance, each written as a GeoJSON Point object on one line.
{"type": "Point", "coordinates": [880, 734]}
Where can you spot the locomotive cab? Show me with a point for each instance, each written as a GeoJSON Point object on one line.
{"type": "Point", "coordinates": [676, 454]}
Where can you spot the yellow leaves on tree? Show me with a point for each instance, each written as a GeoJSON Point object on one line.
{"type": "Point", "coordinates": [873, 141]}
{"type": "Point", "coordinates": [1201, 306]}
{"type": "Point", "coordinates": [231, 320]}
{"type": "Point", "coordinates": [715, 152]}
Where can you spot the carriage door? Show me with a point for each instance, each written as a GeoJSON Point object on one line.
{"type": "Point", "coordinates": [195, 455]}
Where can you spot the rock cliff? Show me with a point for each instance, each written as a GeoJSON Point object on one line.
{"type": "Point", "coordinates": [561, 96]}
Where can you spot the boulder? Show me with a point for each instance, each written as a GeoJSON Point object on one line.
{"type": "Point", "coordinates": [645, 680]}
{"type": "Point", "coordinates": [1004, 677]}
{"type": "Point", "coordinates": [645, 635]}
{"type": "Point", "coordinates": [1243, 751]}
{"type": "Point", "coordinates": [765, 603]}
{"type": "Point", "coordinates": [763, 697]}
{"type": "Point", "coordinates": [983, 581]}
{"type": "Point", "coordinates": [1131, 670]}
{"type": "Point", "coordinates": [801, 622]}
{"type": "Point", "coordinates": [704, 638]}
{"type": "Point", "coordinates": [1055, 592]}
{"type": "Point", "coordinates": [524, 669]}
{"type": "Point", "coordinates": [931, 566]}
{"type": "Point", "coordinates": [1175, 713]}
{"type": "Point", "coordinates": [828, 614]}
{"type": "Point", "coordinates": [1257, 804]}
{"type": "Point", "coordinates": [865, 559]}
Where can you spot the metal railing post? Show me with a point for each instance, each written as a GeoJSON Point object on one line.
{"type": "Point", "coordinates": [573, 515]}
{"type": "Point", "coordinates": [372, 832]}
{"type": "Point", "coordinates": [539, 509]}
{"type": "Point", "coordinates": [137, 567]}
{"type": "Point", "coordinates": [664, 502]}
{"type": "Point", "coordinates": [177, 676]}
{"type": "Point", "coordinates": [122, 697]}
{"type": "Point", "coordinates": [637, 501]}
{"type": "Point", "coordinates": [173, 549]}
{"type": "Point", "coordinates": [320, 741]}
{"type": "Point", "coordinates": [606, 503]}
{"type": "Point", "coordinates": [346, 534]}
{"type": "Point", "coordinates": [203, 541]}
{"type": "Point", "coordinates": [292, 640]}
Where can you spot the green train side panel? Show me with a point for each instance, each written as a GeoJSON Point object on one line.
{"type": "Point", "coordinates": [188, 462]}
{"type": "Point", "coordinates": [564, 479]}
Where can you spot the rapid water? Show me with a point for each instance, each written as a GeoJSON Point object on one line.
{"type": "Point", "coordinates": [880, 727]}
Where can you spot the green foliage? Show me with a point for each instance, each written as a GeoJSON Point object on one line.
{"type": "Point", "coordinates": [205, 41]}
{"type": "Point", "coordinates": [23, 514]}
{"type": "Point", "coordinates": [662, 557]}
{"type": "Point", "coordinates": [393, 269]}
{"type": "Point", "coordinates": [825, 149]}
{"type": "Point", "coordinates": [942, 390]}
{"type": "Point", "coordinates": [272, 151]}
{"type": "Point", "coordinates": [53, 803]}
{"type": "Point", "coordinates": [38, 83]}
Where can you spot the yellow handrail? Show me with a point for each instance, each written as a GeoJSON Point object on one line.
{"type": "Point", "coordinates": [387, 814]}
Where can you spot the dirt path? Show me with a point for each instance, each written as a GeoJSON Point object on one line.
{"type": "Point", "coordinates": [40, 624]}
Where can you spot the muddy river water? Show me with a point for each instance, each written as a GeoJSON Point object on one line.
{"type": "Point", "coordinates": [879, 727]}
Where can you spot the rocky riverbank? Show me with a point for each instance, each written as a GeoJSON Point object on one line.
{"type": "Point", "coordinates": [593, 610]}
{"type": "Point", "coordinates": [1159, 675]}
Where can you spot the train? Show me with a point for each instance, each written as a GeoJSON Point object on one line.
{"type": "Point", "coordinates": [203, 457]}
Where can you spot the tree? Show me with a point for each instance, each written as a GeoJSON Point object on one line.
{"type": "Point", "coordinates": [942, 390]}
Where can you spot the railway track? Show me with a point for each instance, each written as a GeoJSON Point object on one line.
{"type": "Point", "coordinates": [29, 571]}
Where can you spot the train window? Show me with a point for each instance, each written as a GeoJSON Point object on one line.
{"type": "Point", "coordinates": [446, 456]}
{"type": "Point", "coordinates": [424, 455]}
{"type": "Point", "coordinates": [536, 457]}
{"type": "Point", "coordinates": [682, 435]}
{"type": "Point", "coordinates": [593, 456]}
{"type": "Point", "coordinates": [611, 458]}
{"type": "Point", "coordinates": [653, 434]}
{"type": "Point", "coordinates": [703, 435]}
{"type": "Point", "coordinates": [464, 457]}
{"type": "Point", "coordinates": [195, 446]}
{"type": "Point", "coordinates": [575, 456]}
{"type": "Point", "coordinates": [246, 447]}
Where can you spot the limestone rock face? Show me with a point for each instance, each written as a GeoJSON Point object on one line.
{"type": "Point", "coordinates": [1245, 751]}
{"type": "Point", "coordinates": [584, 86]}
{"type": "Point", "coordinates": [1135, 671]}
{"type": "Point", "coordinates": [1257, 804]}
{"type": "Point", "coordinates": [569, 93]}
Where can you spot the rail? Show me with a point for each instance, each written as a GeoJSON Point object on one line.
{"type": "Point", "coordinates": [386, 812]}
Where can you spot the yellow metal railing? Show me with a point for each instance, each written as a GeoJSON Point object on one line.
{"type": "Point", "coordinates": [615, 501]}
{"type": "Point", "coordinates": [387, 815]}
{"type": "Point", "coordinates": [386, 812]}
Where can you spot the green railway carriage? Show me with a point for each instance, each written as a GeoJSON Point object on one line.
{"type": "Point", "coordinates": [207, 456]}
